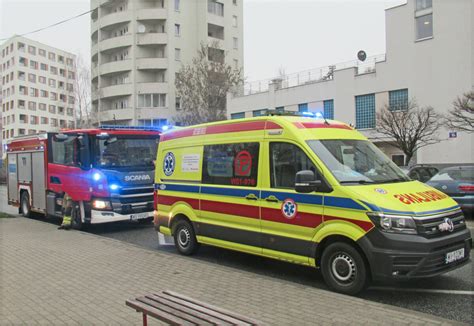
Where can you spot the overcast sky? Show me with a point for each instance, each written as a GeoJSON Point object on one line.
{"type": "Point", "coordinates": [291, 34]}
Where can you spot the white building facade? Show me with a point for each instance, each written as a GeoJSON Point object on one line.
{"type": "Point", "coordinates": [429, 58]}
{"type": "Point", "coordinates": [37, 88]}
{"type": "Point", "coordinates": [139, 45]}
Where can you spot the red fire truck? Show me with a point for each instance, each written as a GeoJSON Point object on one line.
{"type": "Point", "coordinates": [108, 172]}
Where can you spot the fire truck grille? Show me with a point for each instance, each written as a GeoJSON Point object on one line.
{"type": "Point", "coordinates": [133, 200]}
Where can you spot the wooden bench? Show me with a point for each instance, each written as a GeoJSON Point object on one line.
{"type": "Point", "coordinates": [176, 309]}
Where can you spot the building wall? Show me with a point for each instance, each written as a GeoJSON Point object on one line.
{"type": "Point", "coordinates": [193, 18]}
{"type": "Point", "coordinates": [435, 71]}
{"type": "Point", "coordinates": [51, 114]}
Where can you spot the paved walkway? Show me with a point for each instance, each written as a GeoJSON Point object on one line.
{"type": "Point", "coordinates": [54, 277]}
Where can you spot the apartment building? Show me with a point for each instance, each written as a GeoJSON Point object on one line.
{"type": "Point", "coordinates": [139, 45]}
{"type": "Point", "coordinates": [37, 88]}
{"type": "Point", "coordinates": [429, 57]}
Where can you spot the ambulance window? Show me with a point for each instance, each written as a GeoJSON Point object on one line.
{"type": "Point", "coordinates": [231, 164]}
{"type": "Point", "coordinates": [285, 161]}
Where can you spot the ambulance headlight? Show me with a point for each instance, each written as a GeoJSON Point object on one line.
{"type": "Point", "coordinates": [96, 176]}
{"type": "Point", "coordinates": [393, 223]}
{"type": "Point", "coordinates": [101, 204]}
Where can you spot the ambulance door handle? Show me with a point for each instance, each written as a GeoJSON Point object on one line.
{"type": "Point", "coordinates": [272, 199]}
{"type": "Point", "coordinates": [251, 197]}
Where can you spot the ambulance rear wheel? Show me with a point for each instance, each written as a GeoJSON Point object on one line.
{"type": "Point", "coordinates": [25, 204]}
{"type": "Point", "coordinates": [344, 269]}
{"type": "Point", "coordinates": [185, 238]}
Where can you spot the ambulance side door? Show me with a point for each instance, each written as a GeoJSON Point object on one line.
{"type": "Point", "coordinates": [289, 219]}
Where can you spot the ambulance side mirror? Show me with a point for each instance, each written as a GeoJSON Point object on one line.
{"type": "Point", "coordinates": [306, 182]}
{"type": "Point", "coordinates": [84, 157]}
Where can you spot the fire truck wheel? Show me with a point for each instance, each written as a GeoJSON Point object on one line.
{"type": "Point", "coordinates": [25, 204]}
{"type": "Point", "coordinates": [344, 269]}
{"type": "Point", "coordinates": [185, 238]}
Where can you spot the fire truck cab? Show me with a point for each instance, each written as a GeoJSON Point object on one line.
{"type": "Point", "coordinates": [108, 172]}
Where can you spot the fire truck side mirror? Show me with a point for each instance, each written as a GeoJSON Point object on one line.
{"type": "Point", "coordinates": [84, 155]}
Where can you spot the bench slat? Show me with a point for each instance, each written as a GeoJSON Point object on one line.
{"type": "Point", "coordinates": [156, 313]}
{"type": "Point", "coordinates": [213, 308]}
{"type": "Point", "coordinates": [211, 319]}
{"type": "Point", "coordinates": [179, 314]}
{"type": "Point", "coordinates": [206, 309]}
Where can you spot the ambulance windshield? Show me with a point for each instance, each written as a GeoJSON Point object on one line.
{"type": "Point", "coordinates": [357, 161]}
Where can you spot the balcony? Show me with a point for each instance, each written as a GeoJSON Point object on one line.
{"type": "Point", "coordinates": [116, 42]}
{"type": "Point", "coordinates": [115, 18]}
{"type": "Point", "coordinates": [150, 14]}
{"type": "Point", "coordinates": [152, 38]}
{"type": "Point", "coordinates": [118, 114]}
{"type": "Point", "coordinates": [152, 63]}
{"type": "Point", "coordinates": [147, 88]}
{"type": "Point", "coordinates": [115, 66]}
{"type": "Point", "coordinates": [116, 90]}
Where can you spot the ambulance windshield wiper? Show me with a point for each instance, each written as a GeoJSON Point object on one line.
{"type": "Point", "coordinates": [394, 180]}
{"type": "Point", "coordinates": [362, 182]}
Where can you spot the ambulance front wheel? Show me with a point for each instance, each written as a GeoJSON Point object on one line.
{"type": "Point", "coordinates": [185, 238]}
{"type": "Point", "coordinates": [344, 269]}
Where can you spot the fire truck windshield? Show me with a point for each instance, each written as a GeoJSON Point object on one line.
{"type": "Point", "coordinates": [121, 152]}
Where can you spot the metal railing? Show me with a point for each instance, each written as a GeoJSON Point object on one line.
{"type": "Point", "coordinates": [315, 75]}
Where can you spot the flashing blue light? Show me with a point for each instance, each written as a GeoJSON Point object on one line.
{"type": "Point", "coordinates": [165, 128]}
{"type": "Point", "coordinates": [114, 187]}
{"type": "Point", "coordinates": [307, 114]}
{"type": "Point", "coordinates": [96, 176]}
{"type": "Point", "coordinates": [318, 115]}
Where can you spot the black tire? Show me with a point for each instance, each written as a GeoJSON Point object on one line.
{"type": "Point", "coordinates": [76, 219]}
{"type": "Point", "coordinates": [343, 268]}
{"type": "Point", "coordinates": [185, 238]}
{"type": "Point", "coordinates": [25, 204]}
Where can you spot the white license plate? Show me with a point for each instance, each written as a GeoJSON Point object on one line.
{"type": "Point", "coordinates": [454, 256]}
{"type": "Point", "coordinates": [140, 216]}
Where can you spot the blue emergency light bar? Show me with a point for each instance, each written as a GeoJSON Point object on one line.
{"type": "Point", "coordinates": [142, 128]}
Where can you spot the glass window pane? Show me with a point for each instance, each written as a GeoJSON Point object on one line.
{"type": "Point", "coordinates": [231, 164]}
{"type": "Point", "coordinates": [424, 26]}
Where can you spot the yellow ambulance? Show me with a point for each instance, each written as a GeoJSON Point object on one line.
{"type": "Point", "coordinates": [307, 191]}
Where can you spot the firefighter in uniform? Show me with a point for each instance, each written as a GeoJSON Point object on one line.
{"type": "Point", "coordinates": [67, 210]}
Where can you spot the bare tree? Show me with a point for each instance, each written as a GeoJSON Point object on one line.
{"type": "Point", "coordinates": [82, 94]}
{"type": "Point", "coordinates": [202, 86]}
{"type": "Point", "coordinates": [411, 127]}
{"type": "Point", "coordinates": [461, 117]}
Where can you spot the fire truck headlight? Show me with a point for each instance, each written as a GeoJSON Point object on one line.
{"type": "Point", "coordinates": [101, 204]}
{"type": "Point", "coordinates": [114, 187]}
{"type": "Point", "coordinates": [96, 176]}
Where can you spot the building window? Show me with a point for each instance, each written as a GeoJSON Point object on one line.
{"type": "Point", "coordinates": [328, 109]}
{"type": "Point", "coordinates": [216, 8]}
{"type": "Point", "coordinates": [259, 113]}
{"type": "Point", "coordinates": [52, 56]}
{"type": "Point", "coordinates": [234, 21]}
{"type": "Point", "coordinates": [365, 111]}
{"type": "Point", "coordinates": [303, 107]}
{"type": "Point", "coordinates": [178, 103]}
{"type": "Point", "coordinates": [177, 54]}
{"type": "Point", "coordinates": [31, 49]}
{"type": "Point", "coordinates": [423, 4]}
{"type": "Point", "coordinates": [236, 43]}
{"type": "Point", "coordinates": [399, 159]}
{"type": "Point", "coordinates": [151, 100]}
{"type": "Point", "coordinates": [424, 26]}
{"type": "Point", "coordinates": [177, 30]}
{"type": "Point", "coordinates": [176, 5]}
{"type": "Point", "coordinates": [231, 164]}
{"type": "Point", "coordinates": [239, 115]}
{"type": "Point", "coordinates": [234, 2]}
{"type": "Point", "coordinates": [42, 52]}
{"type": "Point", "coordinates": [398, 100]}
